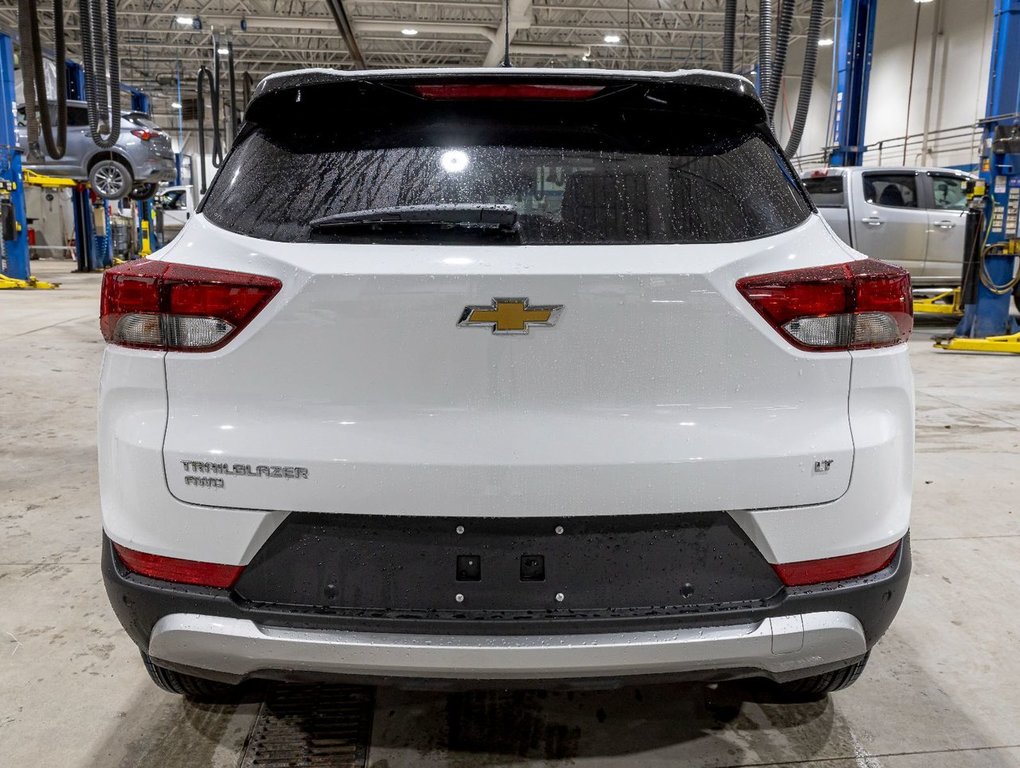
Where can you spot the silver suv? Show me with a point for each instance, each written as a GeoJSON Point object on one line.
{"type": "Point", "coordinates": [141, 159]}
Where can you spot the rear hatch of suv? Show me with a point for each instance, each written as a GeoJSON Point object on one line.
{"type": "Point", "coordinates": [420, 224]}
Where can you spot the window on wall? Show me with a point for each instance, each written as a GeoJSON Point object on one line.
{"type": "Point", "coordinates": [948, 192]}
{"type": "Point", "coordinates": [892, 190]}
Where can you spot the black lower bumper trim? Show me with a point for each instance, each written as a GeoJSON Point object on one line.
{"type": "Point", "coordinates": [140, 602]}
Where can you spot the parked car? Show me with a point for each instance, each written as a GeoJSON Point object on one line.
{"type": "Point", "coordinates": [913, 217]}
{"type": "Point", "coordinates": [134, 167]}
{"type": "Point", "coordinates": [525, 374]}
{"type": "Point", "coordinates": [176, 206]}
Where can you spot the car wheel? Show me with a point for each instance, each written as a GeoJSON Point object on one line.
{"type": "Point", "coordinates": [144, 191]}
{"type": "Point", "coordinates": [195, 688]}
{"type": "Point", "coordinates": [111, 179]}
{"type": "Point", "coordinates": [815, 687]}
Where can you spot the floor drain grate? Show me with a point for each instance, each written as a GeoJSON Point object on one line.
{"type": "Point", "coordinates": [311, 726]}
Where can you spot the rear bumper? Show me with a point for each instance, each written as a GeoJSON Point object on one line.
{"type": "Point", "coordinates": [155, 169]}
{"type": "Point", "coordinates": [782, 647]}
{"type": "Point", "coordinates": [209, 632]}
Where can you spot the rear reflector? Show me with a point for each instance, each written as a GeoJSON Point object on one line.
{"type": "Point", "coordinates": [836, 568]}
{"type": "Point", "coordinates": [179, 571]}
{"type": "Point", "coordinates": [509, 91]}
{"type": "Point", "coordinates": [858, 305]}
{"type": "Point", "coordinates": [162, 305]}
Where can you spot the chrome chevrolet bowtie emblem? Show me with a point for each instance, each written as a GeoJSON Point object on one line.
{"type": "Point", "coordinates": [510, 316]}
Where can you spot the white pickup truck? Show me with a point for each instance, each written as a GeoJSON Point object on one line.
{"type": "Point", "coordinates": [912, 217]}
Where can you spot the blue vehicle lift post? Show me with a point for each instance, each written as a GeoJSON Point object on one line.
{"type": "Point", "coordinates": [12, 189]}
{"type": "Point", "coordinates": [987, 325]}
{"type": "Point", "coordinates": [854, 50]}
{"type": "Point", "coordinates": [90, 250]}
{"type": "Point", "coordinates": [146, 212]}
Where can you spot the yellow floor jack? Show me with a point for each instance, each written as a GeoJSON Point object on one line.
{"type": "Point", "coordinates": [947, 303]}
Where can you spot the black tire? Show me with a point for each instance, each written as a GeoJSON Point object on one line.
{"type": "Point", "coordinates": [144, 192]}
{"type": "Point", "coordinates": [815, 687]}
{"type": "Point", "coordinates": [111, 179]}
{"type": "Point", "coordinates": [195, 688]}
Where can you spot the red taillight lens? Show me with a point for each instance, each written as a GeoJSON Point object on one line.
{"type": "Point", "coordinates": [836, 568]}
{"type": "Point", "coordinates": [508, 91]}
{"type": "Point", "coordinates": [144, 134]}
{"type": "Point", "coordinates": [176, 307]}
{"type": "Point", "coordinates": [858, 305]}
{"type": "Point", "coordinates": [179, 571]}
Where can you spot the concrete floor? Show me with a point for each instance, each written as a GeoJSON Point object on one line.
{"type": "Point", "coordinates": [942, 689]}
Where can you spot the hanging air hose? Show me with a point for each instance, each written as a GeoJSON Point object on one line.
{"type": "Point", "coordinates": [765, 47]}
{"type": "Point", "coordinates": [247, 84]}
{"type": "Point", "coordinates": [807, 77]}
{"type": "Point", "coordinates": [729, 35]}
{"type": "Point", "coordinates": [216, 154]}
{"type": "Point", "coordinates": [233, 89]}
{"type": "Point", "coordinates": [986, 279]}
{"type": "Point", "coordinates": [786, 8]}
{"type": "Point", "coordinates": [34, 76]}
{"type": "Point", "coordinates": [101, 61]}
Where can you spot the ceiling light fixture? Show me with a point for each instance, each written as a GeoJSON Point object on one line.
{"type": "Point", "coordinates": [175, 105]}
{"type": "Point", "coordinates": [409, 31]}
{"type": "Point", "coordinates": [223, 51]}
{"type": "Point", "coordinates": [611, 39]}
{"type": "Point", "coordinates": [186, 21]}
{"type": "Point", "coordinates": [824, 42]}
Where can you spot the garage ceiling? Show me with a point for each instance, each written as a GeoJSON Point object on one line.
{"type": "Point", "coordinates": [276, 35]}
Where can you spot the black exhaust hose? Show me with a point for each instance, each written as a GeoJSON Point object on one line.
{"type": "Point", "coordinates": [34, 76]}
{"type": "Point", "coordinates": [216, 154]}
{"type": "Point", "coordinates": [233, 90]}
{"type": "Point", "coordinates": [786, 8]}
{"type": "Point", "coordinates": [247, 85]}
{"type": "Point", "coordinates": [203, 75]}
{"type": "Point", "coordinates": [114, 65]}
{"type": "Point", "coordinates": [973, 238]}
{"type": "Point", "coordinates": [807, 76]}
{"type": "Point", "coordinates": [764, 48]}
{"type": "Point", "coordinates": [28, 76]}
{"type": "Point", "coordinates": [729, 35]}
{"type": "Point", "coordinates": [101, 62]}
{"type": "Point", "coordinates": [206, 76]}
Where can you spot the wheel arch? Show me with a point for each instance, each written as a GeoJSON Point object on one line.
{"type": "Point", "coordinates": [109, 154]}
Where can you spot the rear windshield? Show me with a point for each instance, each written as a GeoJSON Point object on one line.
{"type": "Point", "coordinates": [606, 172]}
{"type": "Point", "coordinates": [142, 119]}
{"type": "Point", "coordinates": [826, 191]}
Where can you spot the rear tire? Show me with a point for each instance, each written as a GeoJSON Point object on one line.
{"type": "Point", "coordinates": [195, 688]}
{"type": "Point", "coordinates": [144, 192]}
{"type": "Point", "coordinates": [817, 686]}
{"type": "Point", "coordinates": [111, 179]}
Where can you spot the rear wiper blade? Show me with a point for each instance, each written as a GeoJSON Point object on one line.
{"type": "Point", "coordinates": [467, 215]}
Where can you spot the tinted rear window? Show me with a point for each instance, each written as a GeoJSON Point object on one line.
{"type": "Point", "coordinates": [826, 191]}
{"type": "Point", "coordinates": [617, 170]}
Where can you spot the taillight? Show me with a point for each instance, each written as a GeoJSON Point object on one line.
{"type": "Point", "coordinates": [177, 570]}
{"type": "Point", "coordinates": [836, 568]}
{"type": "Point", "coordinates": [144, 134]}
{"type": "Point", "coordinates": [508, 91]}
{"type": "Point", "coordinates": [176, 307]}
{"type": "Point", "coordinates": [858, 305]}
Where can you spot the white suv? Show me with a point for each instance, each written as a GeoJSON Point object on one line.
{"type": "Point", "coordinates": [520, 375]}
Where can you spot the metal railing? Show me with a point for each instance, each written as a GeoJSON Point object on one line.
{"type": "Point", "coordinates": [957, 145]}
